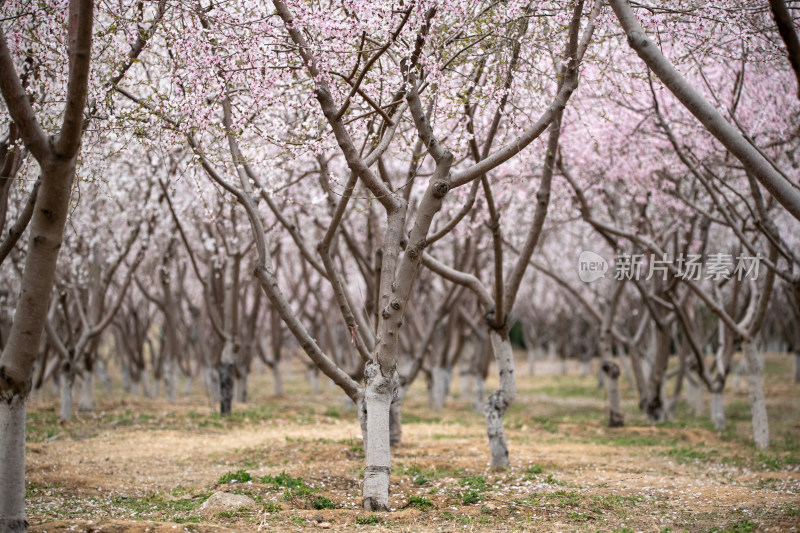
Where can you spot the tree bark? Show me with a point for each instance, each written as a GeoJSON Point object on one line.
{"type": "Point", "coordinates": [654, 407]}
{"type": "Point", "coordinates": [277, 378]}
{"type": "Point", "coordinates": [396, 419]}
{"type": "Point", "coordinates": [66, 383]}
{"type": "Point", "coordinates": [611, 374]}
{"type": "Point", "coordinates": [797, 368]}
{"type": "Point", "coordinates": [501, 399]}
{"type": "Point", "coordinates": [86, 396]}
{"type": "Point", "coordinates": [441, 376]}
{"type": "Point", "coordinates": [12, 467]}
{"type": "Point", "coordinates": [717, 411]}
{"type": "Point", "coordinates": [225, 372]}
{"type": "Point", "coordinates": [755, 390]}
{"type": "Point", "coordinates": [378, 395]}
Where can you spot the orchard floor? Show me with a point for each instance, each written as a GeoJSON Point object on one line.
{"type": "Point", "coordinates": [145, 465]}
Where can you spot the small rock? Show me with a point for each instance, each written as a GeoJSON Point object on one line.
{"type": "Point", "coordinates": [324, 525]}
{"type": "Point", "coordinates": [225, 501]}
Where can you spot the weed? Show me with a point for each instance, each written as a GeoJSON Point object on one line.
{"type": "Point", "coordinates": [688, 455]}
{"type": "Point", "coordinates": [322, 502]}
{"type": "Point", "coordinates": [743, 526]}
{"type": "Point", "coordinates": [476, 482]}
{"type": "Point", "coordinates": [420, 502]}
{"type": "Point", "coordinates": [271, 507]}
{"type": "Point", "coordinates": [284, 480]}
{"type": "Point", "coordinates": [240, 476]}
{"type": "Point", "coordinates": [550, 480]}
{"type": "Point", "coordinates": [368, 520]}
{"type": "Point", "coordinates": [534, 469]}
{"type": "Point", "coordinates": [471, 496]}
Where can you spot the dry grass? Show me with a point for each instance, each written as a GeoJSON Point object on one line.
{"type": "Point", "coordinates": [145, 465]}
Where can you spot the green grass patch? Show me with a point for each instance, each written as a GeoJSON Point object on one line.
{"type": "Point", "coordinates": [322, 502]}
{"type": "Point", "coordinates": [476, 482]}
{"type": "Point", "coordinates": [284, 480]}
{"type": "Point", "coordinates": [471, 496]}
{"type": "Point", "coordinates": [420, 502]}
{"type": "Point", "coordinates": [742, 526]}
{"type": "Point", "coordinates": [689, 455]}
{"type": "Point", "coordinates": [368, 520]}
{"type": "Point", "coordinates": [240, 476]}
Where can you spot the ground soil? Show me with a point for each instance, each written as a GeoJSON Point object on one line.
{"type": "Point", "coordinates": [145, 465]}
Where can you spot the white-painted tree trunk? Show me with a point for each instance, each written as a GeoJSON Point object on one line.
{"type": "Point", "coordinates": [277, 379]}
{"type": "Point", "coordinates": [101, 368]}
{"type": "Point", "coordinates": [147, 385]}
{"type": "Point", "coordinates": [126, 379]}
{"type": "Point", "coordinates": [501, 399]}
{"type": "Point", "coordinates": [717, 411]}
{"type": "Point", "coordinates": [66, 382]}
{"type": "Point", "coordinates": [478, 392]}
{"type": "Point", "coordinates": [86, 396]}
{"type": "Point", "coordinates": [396, 418]}
{"type": "Point", "coordinates": [440, 386]}
{"type": "Point", "coordinates": [212, 383]}
{"type": "Point", "coordinates": [187, 385]}
{"type": "Point", "coordinates": [465, 382]}
{"type": "Point", "coordinates": [797, 368]}
{"type": "Point", "coordinates": [313, 379]}
{"type": "Point", "coordinates": [240, 388]}
{"type": "Point", "coordinates": [755, 390]}
{"type": "Point", "coordinates": [378, 396]}
{"type": "Point", "coordinates": [12, 465]}
{"type": "Point", "coordinates": [694, 396]}
{"type": "Point", "coordinates": [171, 380]}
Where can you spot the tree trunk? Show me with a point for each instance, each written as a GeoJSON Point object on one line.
{"type": "Point", "coordinates": [797, 368]}
{"type": "Point", "coordinates": [465, 380]}
{"type": "Point", "coordinates": [86, 396]}
{"type": "Point", "coordinates": [378, 396]}
{"type": "Point", "coordinates": [240, 388]}
{"type": "Point", "coordinates": [171, 379]}
{"type": "Point", "coordinates": [611, 374]}
{"type": "Point", "coordinates": [187, 385]}
{"type": "Point", "coordinates": [440, 385]}
{"type": "Point", "coordinates": [655, 408]}
{"type": "Point", "coordinates": [638, 374]}
{"type": "Point", "coordinates": [12, 467]}
{"type": "Point", "coordinates": [531, 361]}
{"type": "Point", "coordinates": [755, 390]}
{"type": "Point", "coordinates": [211, 379]}
{"type": "Point", "coordinates": [478, 391]}
{"type": "Point", "coordinates": [126, 378]}
{"type": "Point", "coordinates": [313, 379]}
{"type": "Point", "coordinates": [396, 419]}
{"type": "Point", "coordinates": [225, 371]}
{"type": "Point", "coordinates": [717, 411]}
{"type": "Point", "coordinates": [66, 382]}
{"type": "Point", "coordinates": [277, 378]}
{"type": "Point", "coordinates": [694, 394]}
{"type": "Point", "coordinates": [500, 399]}
{"type": "Point", "coordinates": [102, 373]}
